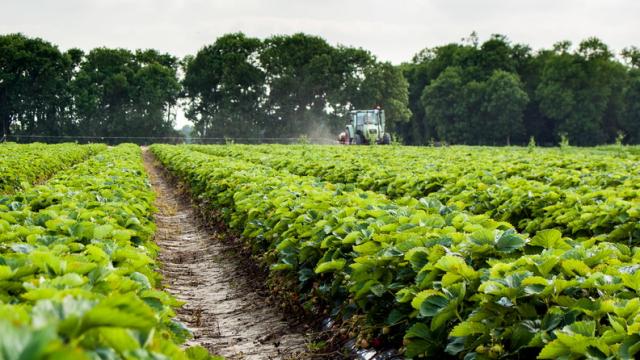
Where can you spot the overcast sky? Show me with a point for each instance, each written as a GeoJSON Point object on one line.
{"type": "Point", "coordinates": [392, 30]}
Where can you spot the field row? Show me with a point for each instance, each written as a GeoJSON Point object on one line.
{"type": "Point", "coordinates": [437, 279]}
{"type": "Point", "coordinates": [581, 192]}
{"type": "Point", "coordinates": [22, 165]}
{"type": "Point", "coordinates": [78, 279]}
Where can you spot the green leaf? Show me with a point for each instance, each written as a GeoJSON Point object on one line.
{"type": "Point", "coordinates": [545, 265]}
{"type": "Point", "coordinates": [433, 304]}
{"type": "Point", "coordinates": [468, 328]}
{"type": "Point", "coordinates": [552, 319]}
{"type": "Point", "coordinates": [418, 330]}
{"type": "Point", "coordinates": [5, 272]}
{"type": "Point", "coordinates": [352, 237]}
{"type": "Point", "coordinates": [22, 343]}
{"type": "Point", "coordinates": [483, 237]}
{"type": "Point", "coordinates": [554, 350]}
{"type": "Point", "coordinates": [333, 265]}
{"type": "Point", "coordinates": [630, 347]}
{"type": "Point", "coordinates": [548, 239]}
{"type": "Point", "coordinates": [120, 339]}
{"type": "Point", "coordinates": [523, 333]}
{"type": "Point", "coordinates": [102, 231]}
{"type": "Point", "coordinates": [378, 289]}
{"type": "Point", "coordinates": [586, 328]}
{"type": "Point", "coordinates": [122, 235]}
{"type": "Point", "coordinates": [127, 311]}
{"type": "Point", "coordinates": [421, 296]}
{"type": "Point", "coordinates": [575, 267]}
{"type": "Point", "coordinates": [509, 241]}
{"type": "Point", "coordinates": [418, 348]}
{"type": "Point", "coordinates": [141, 279]}
{"type": "Point", "coordinates": [367, 248]}
{"type": "Point", "coordinates": [456, 265]}
{"type": "Point", "coordinates": [418, 256]}
{"type": "Point", "coordinates": [200, 353]}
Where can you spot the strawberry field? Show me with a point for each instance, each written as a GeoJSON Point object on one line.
{"type": "Point", "coordinates": [461, 252]}
{"type": "Point", "coordinates": [78, 278]}
{"type": "Point", "coordinates": [456, 252]}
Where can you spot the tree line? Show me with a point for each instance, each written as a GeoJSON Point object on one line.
{"type": "Point", "coordinates": [104, 93]}
{"type": "Point", "coordinates": [496, 93]}
{"type": "Point", "coordinates": [285, 86]}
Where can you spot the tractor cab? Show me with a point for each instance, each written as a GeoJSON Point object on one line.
{"type": "Point", "coordinates": [366, 127]}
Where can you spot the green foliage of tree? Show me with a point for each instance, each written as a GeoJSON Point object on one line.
{"type": "Point", "coordinates": [300, 74]}
{"type": "Point", "coordinates": [632, 56]}
{"type": "Point", "coordinates": [34, 98]}
{"type": "Point", "coordinates": [577, 89]}
{"type": "Point", "coordinates": [417, 130]}
{"type": "Point", "coordinates": [630, 123]}
{"type": "Point", "coordinates": [475, 64]}
{"type": "Point", "coordinates": [107, 92]}
{"type": "Point", "coordinates": [224, 88]}
{"type": "Point", "coordinates": [286, 86]}
{"type": "Point", "coordinates": [384, 85]}
{"type": "Point", "coordinates": [476, 112]}
{"type": "Point", "coordinates": [445, 105]}
{"type": "Point", "coordinates": [502, 107]}
{"type": "Point", "coordinates": [121, 93]}
{"type": "Point", "coordinates": [584, 93]}
{"type": "Point", "coordinates": [492, 92]}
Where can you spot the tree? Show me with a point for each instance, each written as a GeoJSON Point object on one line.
{"type": "Point", "coordinates": [301, 77]}
{"type": "Point", "coordinates": [630, 124]}
{"type": "Point", "coordinates": [502, 107]}
{"type": "Point", "coordinates": [632, 56]}
{"type": "Point", "coordinates": [123, 94]}
{"type": "Point", "coordinates": [417, 130]}
{"type": "Point", "coordinates": [225, 88]}
{"type": "Point", "coordinates": [476, 112]}
{"type": "Point", "coordinates": [34, 96]}
{"type": "Point", "coordinates": [493, 92]}
{"type": "Point", "coordinates": [577, 90]}
{"type": "Point", "coordinates": [155, 94]}
{"type": "Point", "coordinates": [286, 86]}
{"type": "Point", "coordinates": [494, 54]}
{"type": "Point", "coordinates": [385, 86]}
{"type": "Point", "coordinates": [445, 106]}
{"type": "Point", "coordinates": [476, 64]}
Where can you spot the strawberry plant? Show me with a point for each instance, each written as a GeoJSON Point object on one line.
{"type": "Point", "coordinates": [583, 193]}
{"type": "Point", "coordinates": [23, 165]}
{"type": "Point", "coordinates": [78, 279]}
{"type": "Point", "coordinates": [418, 273]}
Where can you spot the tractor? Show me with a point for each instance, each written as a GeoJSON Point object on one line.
{"type": "Point", "coordinates": [365, 127]}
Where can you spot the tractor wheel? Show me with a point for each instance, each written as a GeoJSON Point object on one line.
{"type": "Point", "coordinates": [359, 139]}
{"type": "Point", "coordinates": [386, 139]}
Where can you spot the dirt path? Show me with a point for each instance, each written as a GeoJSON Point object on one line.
{"type": "Point", "coordinates": [223, 305]}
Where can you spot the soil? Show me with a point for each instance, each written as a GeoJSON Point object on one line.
{"type": "Point", "coordinates": [225, 304]}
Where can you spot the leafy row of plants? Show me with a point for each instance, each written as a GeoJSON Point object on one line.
{"type": "Point", "coordinates": [579, 191]}
{"type": "Point", "coordinates": [22, 165]}
{"type": "Point", "coordinates": [440, 281]}
{"type": "Point", "coordinates": [78, 279]}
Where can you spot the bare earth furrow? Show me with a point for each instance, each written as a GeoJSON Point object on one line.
{"type": "Point", "coordinates": [224, 307]}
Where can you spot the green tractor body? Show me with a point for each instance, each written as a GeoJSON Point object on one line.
{"type": "Point", "coordinates": [366, 127]}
